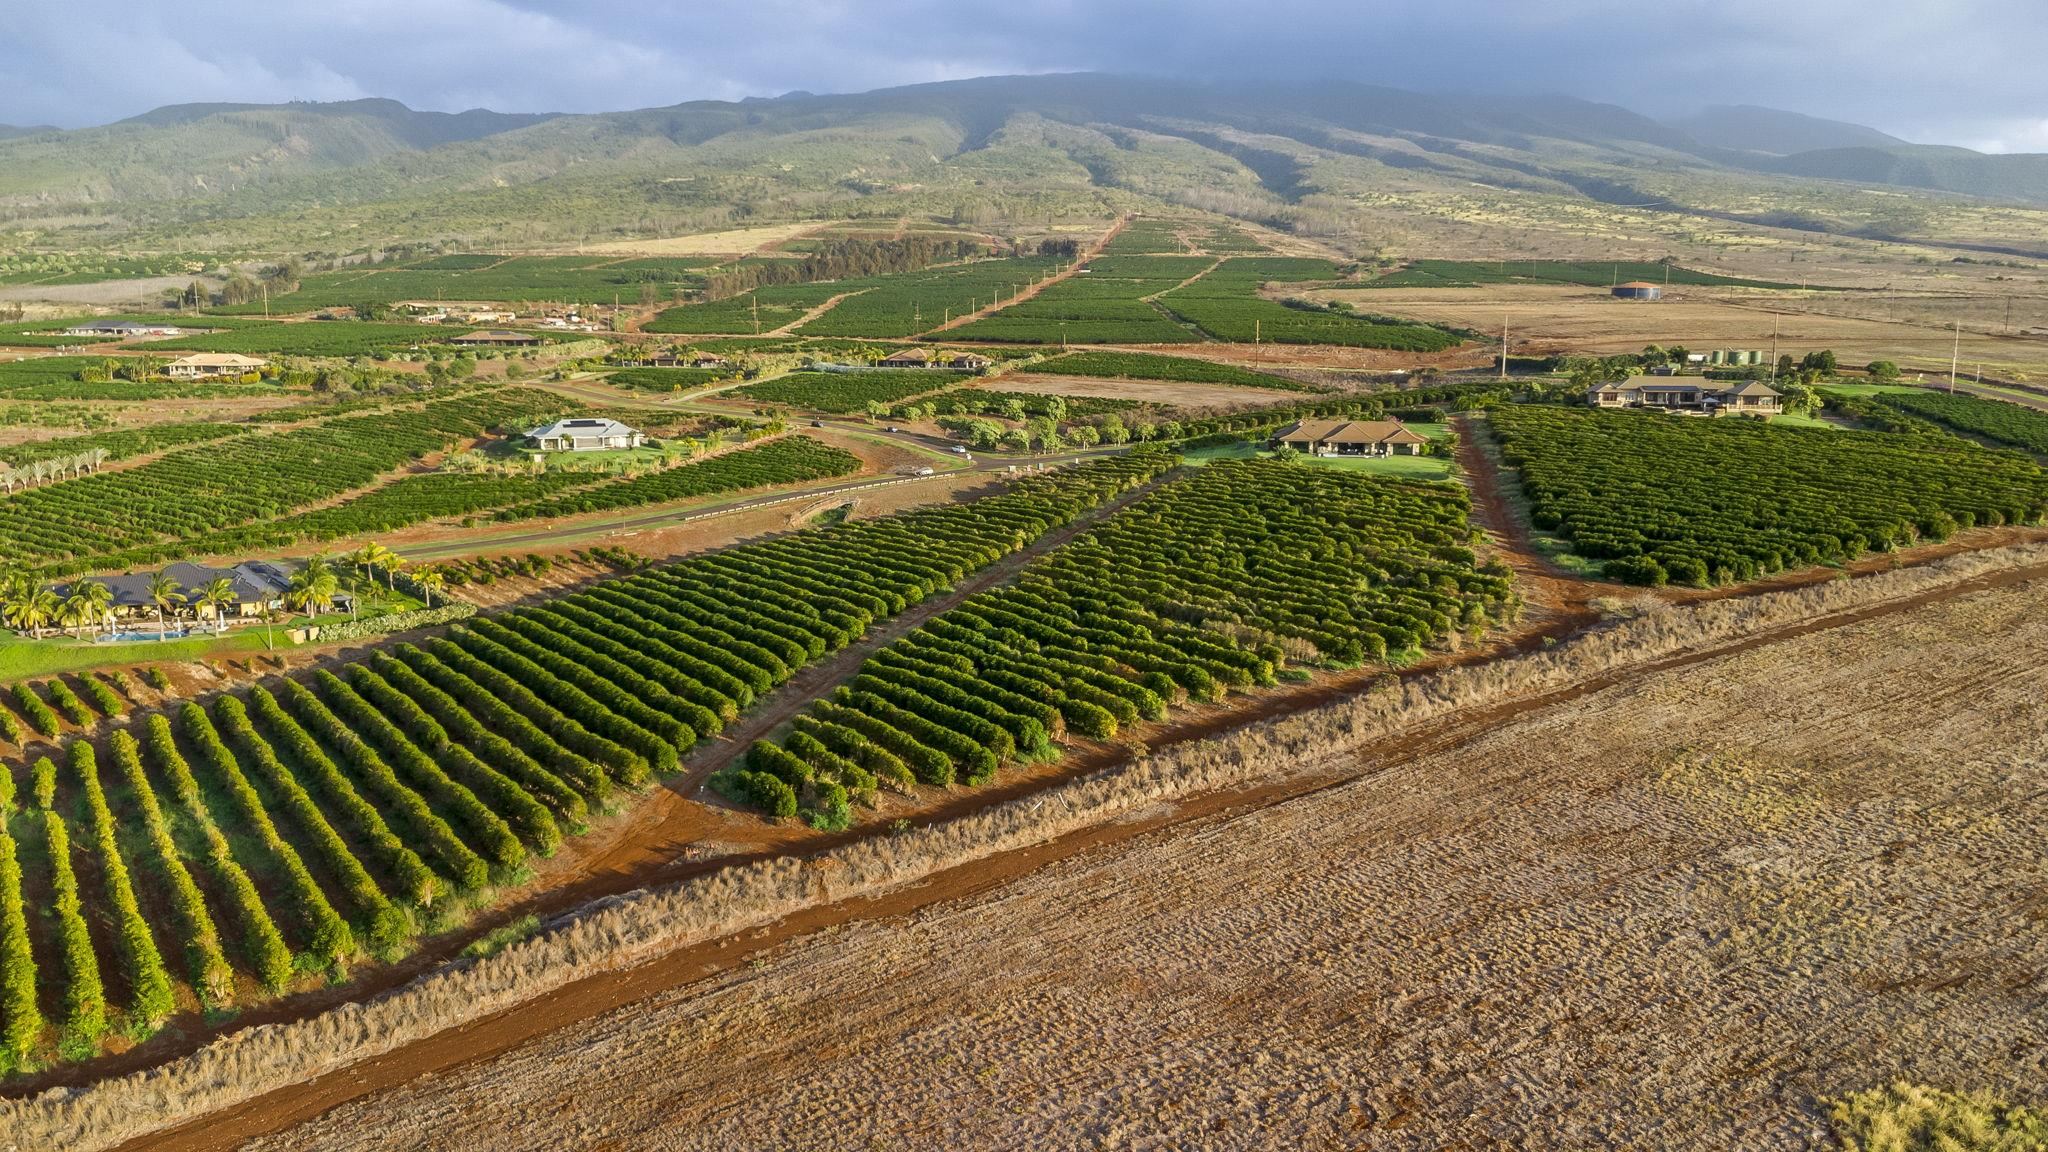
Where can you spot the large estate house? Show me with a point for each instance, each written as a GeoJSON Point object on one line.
{"type": "Point", "coordinates": [1350, 438]}
{"type": "Point", "coordinates": [201, 365]}
{"type": "Point", "coordinates": [1700, 397]}
{"type": "Point", "coordinates": [585, 434]}
{"type": "Point", "coordinates": [255, 584]}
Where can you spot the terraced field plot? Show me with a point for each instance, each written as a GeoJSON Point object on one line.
{"type": "Point", "coordinates": [1226, 304]}
{"type": "Point", "coordinates": [1106, 305]}
{"type": "Point", "coordinates": [306, 824]}
{"type": "Point", "coordinates": [904, 305]}
{"type": "Point", "coordinates": [313, 338]}
{"type": "Point", "coordinates": [2010, 424]}
{"type": "Point", "coordinates": [761, 310]}
{"type": "Point", "coordinates": [1517, 928]}
{"type": "Point", "coordinates": [1215, 582]}
{"type": "Point", "coordinates": [842, 392]}
{"type": "Point", "coordinates": [484, 277]}
{"type": "Point", "coordinates": [1588, 273]}
{"type": "Point", "coordinates": [1140, 366]}
{"type": "Point", "coordinates": [1705, 502]}
{"type": "Point", "coordinates": [143, 514]}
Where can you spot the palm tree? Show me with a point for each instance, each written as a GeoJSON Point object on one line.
{"type": "Point", "coordinates": [430, 581]}
{"type": "Point", "coordinates": [312, 587]}
{"type": "Point", "coordinates": [363, 558]}
{"type": "Point", "coordinates": [164, 593]}
{"type": "Point", "coordinates": [33, 609]}
{"type": "Point", "coordinates": [375, 555]}
{"type": "Point", "coordinates": [75, 610]}
{"type": "Point", "coordinates": [212, 598]}
{"type": "Point", "coordinates": [98, 599]}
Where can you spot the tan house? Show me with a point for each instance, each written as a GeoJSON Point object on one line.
{"type": "Point", "coordinates": [908, 358]}
{"type": "Point", "coordinates": [1700, 397]}
{"type": "Point", "coordinates": [201, 365]}
{"type": "Point", "coordinates": [1350, 438]}
{"type": "Point", "coordinates": [969, 362]}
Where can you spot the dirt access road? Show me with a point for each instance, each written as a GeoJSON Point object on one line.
{"type": "Point", "coordinates": [1521, 924]}
{"type": "Point", "coordinates": [1080, 261]}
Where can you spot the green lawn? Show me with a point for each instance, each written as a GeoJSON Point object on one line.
{"type": "Point", "coordinates": [24, 659]}
{"type": "Point", "coordinates": [1801, 420]}
{"type": "Point", "coordinates": [1869, 389]}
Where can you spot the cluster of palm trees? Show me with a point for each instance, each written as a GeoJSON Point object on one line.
{"type": "Point", "coordinates": [65, 467]}
{"type": "Point", "coordinates": [372, 558]}
{"type": "Point", "coordinates": [27, 605]}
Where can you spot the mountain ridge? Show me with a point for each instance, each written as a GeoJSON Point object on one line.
{"type": "Point", "coordinates": [1082, 142]}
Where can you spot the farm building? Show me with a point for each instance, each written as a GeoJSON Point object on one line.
{"type": "Point", "coordinates": [201, 365]}
{"type": "Point", "coordinates": [121, 330]}
{"type": "Point", "coordinates": [1705, 397]}
{"type": "Point", "coordinates": [1350, 438]}
{"type": "Point", "coordinates": [969, 362]}
{"type": "Point", "coordinates": [1637, 290]}
{"type": "Point", "coordinates": [585, 434]}
{"type": "Point", "coordinates": [498, 338]}
{"type": "Point", "coordinates": [709, 360]}
{"type": "Point", "coordinates": [908, 358]}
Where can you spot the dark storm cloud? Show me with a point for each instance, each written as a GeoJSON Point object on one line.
{"type": "Point", "coordinates": [1961, 71]}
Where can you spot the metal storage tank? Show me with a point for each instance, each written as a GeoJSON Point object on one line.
{"type": "Point", "coordinates": [1637, 290]}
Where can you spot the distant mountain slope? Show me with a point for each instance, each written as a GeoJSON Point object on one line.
{"type": "Point", "coordinates": [991, 148]}
{"type": "Point", "coordinates": [201, 149]}
{"type": "Point", "coordinates": [9, 131]}
{"type": "Point", "coordinates": [1748, 128]}
{"type": "Point", "coordinates": [2019, 176]}
{"type": "Point", "coordinates": [419, 129]}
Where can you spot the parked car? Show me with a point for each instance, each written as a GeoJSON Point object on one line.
{"type": "Point", "coordinates": [817, 423]}
{"type": "Point", "coordinates": [960, 449]}
{"type": "Point", "coordinates": [925, 471]}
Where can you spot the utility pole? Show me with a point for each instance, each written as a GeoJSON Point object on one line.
{"type": "Point", "coordinates": [1774, 347]}
{"type": "Point", "coordinates": [2008, 315]}
{"type": "Point", "coordinates": [266, 299]}
{"type": "Point", "coordinates": [1503, 345]}
{"type": "Point", "coordinates": [754, 301]}
{"type": "Point", "coordinates": [1955, 355]}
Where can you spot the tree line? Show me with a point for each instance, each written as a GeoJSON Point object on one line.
{"type": "Point", "coordinates": [842, 259]}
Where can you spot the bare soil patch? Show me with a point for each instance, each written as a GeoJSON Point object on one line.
{"type": "Point", "coordinates": [1166, 393]}
{"type": "Point", "coordinates": [733, 242]}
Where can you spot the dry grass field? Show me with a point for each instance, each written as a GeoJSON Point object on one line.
{"type": "Point", "coordinates": [734, 242]}
{"type": "Point", "coordinates": [1909, 329]}
{"type": "Point", "coordinates": [1678, 911]}
{"type": "Point", "coordinates": [1166, 393]}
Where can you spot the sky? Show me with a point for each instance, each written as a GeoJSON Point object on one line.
{"type": "Point", "coordinates": [1935, 71]}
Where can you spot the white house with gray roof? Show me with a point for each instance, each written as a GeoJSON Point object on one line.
{"type": "Point", "coordinates": [585, 434]}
